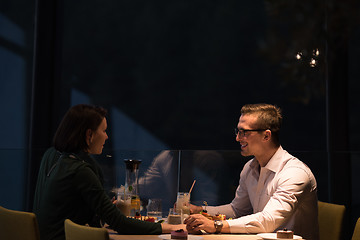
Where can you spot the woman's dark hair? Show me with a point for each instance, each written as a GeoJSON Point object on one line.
{"type": "Point", "coordinates": [71, 133]}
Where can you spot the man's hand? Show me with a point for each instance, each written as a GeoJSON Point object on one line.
{"type": "Point", "coordinates": [195, 209]}
{"type": "Point", "coordinates": [196, 222]}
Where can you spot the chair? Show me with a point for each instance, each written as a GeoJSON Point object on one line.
{"type": "Point", "coordinates": [74, 231]}
{"type": "Point", "coordinates": [18, 225]}
{"type": "Point", "coordinates": [330, 219]}
{"type": "Point", "coordinates": [356, 234]}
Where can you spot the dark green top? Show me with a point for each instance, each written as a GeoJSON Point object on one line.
{"type": "Point", "coordinates": [71, 186]}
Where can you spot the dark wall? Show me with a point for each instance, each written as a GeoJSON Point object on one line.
{"type": "Point", "coordinates": [174, 75]}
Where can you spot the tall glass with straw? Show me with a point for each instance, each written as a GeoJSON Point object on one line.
{"type": "Point", "coordinates": [183, 202]}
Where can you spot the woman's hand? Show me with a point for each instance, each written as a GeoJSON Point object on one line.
{"type": "Point", "coordinates": [168, 228]}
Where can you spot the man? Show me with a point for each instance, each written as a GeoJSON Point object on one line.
{"type": "Point", "coordinates": [276, 190]}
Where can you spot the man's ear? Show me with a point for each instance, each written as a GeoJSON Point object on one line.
{"type": "Point", "coordinates": [267, 135]}
{"type": "Point", "coordinates": [88, 137]}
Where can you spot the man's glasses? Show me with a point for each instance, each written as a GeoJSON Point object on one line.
{"type": "Point", "coordinates": [242, 132]}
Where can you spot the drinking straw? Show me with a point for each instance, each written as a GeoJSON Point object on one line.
{"type": "Point", "coordinates": [192, 186]}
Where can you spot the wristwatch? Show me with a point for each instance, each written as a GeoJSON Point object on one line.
{"type": "Point", "coordinates": [218, 226]}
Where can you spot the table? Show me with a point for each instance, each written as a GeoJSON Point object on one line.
{"type": "Point", "coordinates": [115, 236]}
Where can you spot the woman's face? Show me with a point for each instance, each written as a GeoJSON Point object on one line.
{"type": "Point", "coordinates": [96, 139]}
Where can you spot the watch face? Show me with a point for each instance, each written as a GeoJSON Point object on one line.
{"type": "Point", "coordinates": [218, 226]}
{"type": "Point", "coordinates": [218, 223]}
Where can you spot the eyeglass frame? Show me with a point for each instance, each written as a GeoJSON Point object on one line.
{"type": "Point", "coordinates": [244, 131]}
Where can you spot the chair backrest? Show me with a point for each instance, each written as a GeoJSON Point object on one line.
{"type": "Point", "coordinates": [74, 231]}
{"type": "Point", "coordinates": [356, 234]}
{"type": "Point", "coordinates": [18, 225]}
{"type": "Point", "coordinates": [330, 218]}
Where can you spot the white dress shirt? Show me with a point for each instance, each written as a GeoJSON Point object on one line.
{"type": "Point", "coordinates": [282, 195]}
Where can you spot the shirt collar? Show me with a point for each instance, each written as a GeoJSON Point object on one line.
{"type": "Point", "coordinates": [274, 164]}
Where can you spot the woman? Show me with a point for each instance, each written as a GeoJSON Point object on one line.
{"type": "Point", "coordinates": [70, 182]}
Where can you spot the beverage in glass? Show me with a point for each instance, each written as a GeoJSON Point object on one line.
{"type": "Point", "coordinates": [173, 217]}
{"type": "Point", "coordinates": [124, 203]}
{"type": "Point", "coordinates": [183, 203]}
{"type": "Point", "coordinates": [154, 208]}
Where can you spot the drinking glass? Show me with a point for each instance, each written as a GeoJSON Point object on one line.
{"type": "Point", "coordinates": [154, 208]}
{"type": "Point", "coordinates": [183, 203]}
{"type": "Point", "coordinates": [124, 203]}
{"type": "Point", "coordinates": [174, 217]}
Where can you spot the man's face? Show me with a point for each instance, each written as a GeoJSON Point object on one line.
{"type": "Point", "coordinates": [250, 142]}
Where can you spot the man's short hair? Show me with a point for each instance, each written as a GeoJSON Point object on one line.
{"type": "Point", "coordinates": [269, 117]}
